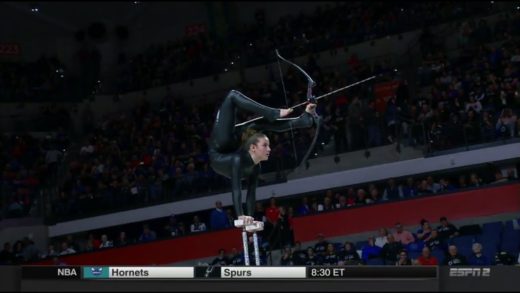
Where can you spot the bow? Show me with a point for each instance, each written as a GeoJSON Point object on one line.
{"type": "Point", "coordinates": [310, 98]}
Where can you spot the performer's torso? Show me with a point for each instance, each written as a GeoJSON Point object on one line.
{"type": "Point", "coordinates": [222, 163]}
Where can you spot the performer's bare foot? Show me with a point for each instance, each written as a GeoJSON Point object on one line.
{"type": "Point", "coordinates": [311, 109]}
{"type": "Point", "coordinates": [285, 112]}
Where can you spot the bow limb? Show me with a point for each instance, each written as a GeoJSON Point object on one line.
{"type": "Point", "coordinates": [310, 98]}
{"type": "Point", "coordinates": [287, 105]}
{"type": "Point", "coordinates": [310, 82]}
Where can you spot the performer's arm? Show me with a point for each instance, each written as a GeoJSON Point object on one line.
{"type": "Point", "coordinates": [281, 125]}
{"type": "Point", "coordinates": [305, 120]}
{"type": "Point", "coordinates": [236, 185]}
{"type": "Point", "coordinates": [251, 191]}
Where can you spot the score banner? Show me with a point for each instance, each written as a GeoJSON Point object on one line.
{"type": "Point", "coordinates": [216, 272]}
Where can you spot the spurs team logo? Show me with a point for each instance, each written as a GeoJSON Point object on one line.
{"type": "Point", "coordinates": [470, 272]}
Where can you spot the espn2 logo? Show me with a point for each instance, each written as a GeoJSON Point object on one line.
{"type": "Point", "coordinates": [470, 272]}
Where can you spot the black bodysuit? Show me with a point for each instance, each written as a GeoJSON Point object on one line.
{"type": "Point", "coordinates": [229, 158]}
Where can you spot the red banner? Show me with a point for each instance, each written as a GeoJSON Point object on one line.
{"type": "Point", "coordinates": [455, 206]}
{"type": "Point", "coordinates": [382, 92]}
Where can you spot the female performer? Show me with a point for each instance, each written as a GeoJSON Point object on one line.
{"type": "Point", "coordinates": [238, 162]}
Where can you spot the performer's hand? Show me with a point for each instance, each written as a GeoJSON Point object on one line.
{"type": "Point", "coordinates": [285, 112]}
{"type": "Point", "coordinates": [311, 109]}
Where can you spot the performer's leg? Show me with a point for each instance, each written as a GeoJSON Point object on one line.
{"type": "Point", "coordinates": [224, 127]}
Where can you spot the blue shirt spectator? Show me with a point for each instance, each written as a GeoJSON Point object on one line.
{"type": "Point", "coordinates": [370, 250]}
{"type": "Point", "coordinates": [218, 217]}
{"type": "Point", "coordinates": [304, 208]}
{"type": "Point", "coordinates": [477, 258]}
{"type": "Point", "coordinates": [147, 235]}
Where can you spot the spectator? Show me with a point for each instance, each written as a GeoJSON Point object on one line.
{"type": "Point", "coordinates": [287, 257]}
{"type": "Point", "coordinates": [51, 252]}
{"type": "Point", "coordinates": [409, 189]}
{"type": "Point", "coordinates": [372, 121]}
{"type": "Point", "coordinates": [499, 177]}
{"type": "Point", "coordinates": [181, 229]}
{"type": "Point", "coordinates": [403, 259]}
{"type": "Point", "coordinates": [65, 249]}
{"type": "Point", "coordinates": [52, 158]}
{"type": "Point", "coordinates": [299, 255]}
{"type": "Point", "coordinates": [342, 202]}
{"type": "Point", "coordinates": [446, 229]}
{"type": "Point", "coordinates": [474, 180]}
{"type": "Point", "coordinates": [304, 208]}
{"type": "Point", "coordinates": [18, 256]}
{"type": "Point", "coordinates": [218, 217]}
{"type": "Point", "coordinates": [171, 227]}
{"type": "Point", "coordinates": [330, 256]}
{"type": "Point", "coordinates": [327, 205]}
{"type": "Point", "coordinates": [321, 246]}
{"type": "Point", "coordinates": [434, 242]}
{"type": "Point", "coordinates": [272, 213]}
{"type": "Point", "coordinates": [312, 258]}
{"type": "Point", "coordinates": [454, 258]}
{"type": "Point", "coordinates": [511, 175]}
{"type": "Point", "coordinates": [147, 235]}
{"type": "Point", "coordinates": [282, 233]}
{"type": "Point", "coordinates": [462, 181]}
{"type": "Point", "coordinates": [6, 255]}
{"type": "Point", "coordinates": [424, 188]}
{"type": "Point", "coordinates": [197, 225]}
{"type": "Point", "coordinates": [231, 217]}
{"type": "Point", "coordinates": [391, 249]}
{"type": "Point", "coordinates": [235, 258]}
{"type": "Point", "coordinates": [92, 242]}
{"type": "Point", "coordinates": [503, 258]}
{"type": "Point", "coordinates": [477, 258]}
{"type": "Point", "coordinates": [473, 104]}
{"type": "Point", "coordinates": [391, 191]}
{"type": "Point", "coordinates": [488, 132]}
{"type": "Point", "coordinates": [349, 255]}
{"type": "Point", "coordinates": [433, 186]}
{"type": "Point", "coordinates": [403, 236]}
{"type": "Point", "coordinates": [361, 197]}
{"type": "Point", "coordinates": [506, 123]}
{"type": "Point", "coordinates": [30, 251]}
{"type": "Point", "coordinates": [105, 243]}
{"type": "Point", "coordinates": [72, 242]}
{"type": "Point", "coordinates": [446, 186]}
{"type": "Point", "coordinates": [370, 250]}
{"type": "Point", "coordinates": [354, 122]}
{"type": "Point", "coordinates": [374, 195]}
{"type": "Point", "coordinates": [392, 119]}
{"type": "Point", "coordinates": [338, 124]}
{"type": "Point", "coordinates": [425, 231]}
{"type": "Point", "coordinates": [221, 259]}
{"type": "Point", "coordinates": [426, 259]}
{"type": "Point", "coordinates": [381, 238]}
{"type": "Point", "coordinates": [121, 240]}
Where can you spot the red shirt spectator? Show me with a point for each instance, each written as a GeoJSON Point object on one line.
{"type": "Point", "coordinates": [426, 259]}
{"type": "Point", "coordinates": [272, 213]}
{"type": "Point", "coordinates": [430, 261]}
